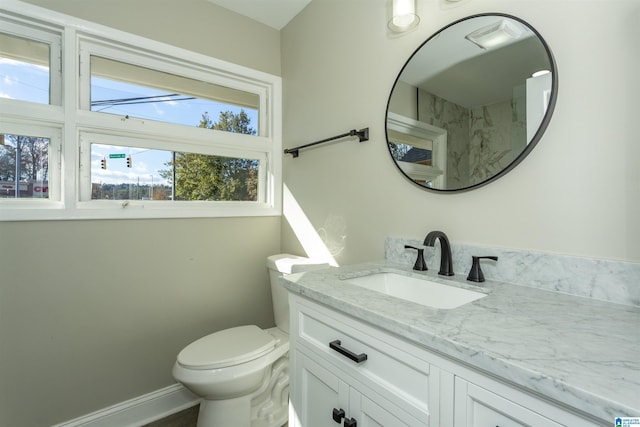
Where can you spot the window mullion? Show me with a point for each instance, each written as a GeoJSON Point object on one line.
{"type": "Point", "coordinates": [70, 156]}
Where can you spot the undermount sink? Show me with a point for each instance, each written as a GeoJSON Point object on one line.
{"type": "Point", "coordinates": [418, 290]}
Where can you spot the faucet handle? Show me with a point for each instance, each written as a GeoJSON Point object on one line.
{"type": "Point", "coordinates": [420, 265]}
{"type": "Point", "coordinates": [475, 274]}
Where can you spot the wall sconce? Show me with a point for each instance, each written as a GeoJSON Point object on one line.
{"type": "Point", "coordinates": [404, 15]}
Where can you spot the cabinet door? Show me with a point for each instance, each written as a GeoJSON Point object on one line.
{"type": "Point", "coordinates": [477, 407]}
{"type": "Point", "coordinates": [318, 391]}
{"type": "Point", "coordinates": [379, 413]}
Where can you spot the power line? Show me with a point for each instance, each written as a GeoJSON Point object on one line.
{"type": "Point", "coordinates": [139, 100]}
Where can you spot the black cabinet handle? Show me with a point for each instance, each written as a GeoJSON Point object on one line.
{"type": "Point", "coordinates": [338, 415]}
{"type": "Point", "coordinates": [358, 358]}
{"type": "Point", "coordinates": [350, 422]}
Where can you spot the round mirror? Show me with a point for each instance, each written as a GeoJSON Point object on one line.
{"type": "Point", "coordinates": [471, 103]}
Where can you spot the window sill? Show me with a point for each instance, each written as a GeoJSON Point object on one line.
{"type": "Point", "coordinates": [124, 209]}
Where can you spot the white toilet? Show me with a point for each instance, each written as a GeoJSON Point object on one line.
{"type": "Point", "coordinates": [242, 373]}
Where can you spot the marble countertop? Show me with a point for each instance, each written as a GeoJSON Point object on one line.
{"type": "Point", "coordinates": [578, 351]}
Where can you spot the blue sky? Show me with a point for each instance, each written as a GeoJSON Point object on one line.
{"type": "Point", "coordinates": [21, 80]}
{"type": "Point", "coordinates": [30, 82]}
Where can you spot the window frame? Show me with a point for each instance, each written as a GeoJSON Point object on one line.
{"type": "Point", "coordinates": [75, 121]}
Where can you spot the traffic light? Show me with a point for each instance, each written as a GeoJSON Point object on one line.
{"type": "Point", "coordinates": [129, 161]}
{"type": "Point", "coordinates": [103, 163]}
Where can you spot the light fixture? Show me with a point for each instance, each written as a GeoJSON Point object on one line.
{"type": "Point", "coordinates": [496, 34]}
{"type": "Point", "coordinates": [540, 73]}
{"type": "Point", "coordinates": [403, 15]}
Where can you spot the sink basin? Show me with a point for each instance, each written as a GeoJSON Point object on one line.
{"type": "Point", "coordinates": [418, 290]}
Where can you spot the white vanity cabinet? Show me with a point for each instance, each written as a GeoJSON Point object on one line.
{"type": "Point", "coordinates": [374, 377]}
{"type": "Point", "coordinates": [379, 379]}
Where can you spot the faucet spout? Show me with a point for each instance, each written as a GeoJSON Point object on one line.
{"type": "Point", "coordinates": [446, 263]}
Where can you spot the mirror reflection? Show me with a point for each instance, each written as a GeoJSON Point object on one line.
{"type": "Point", "coordinates": [471, 102]}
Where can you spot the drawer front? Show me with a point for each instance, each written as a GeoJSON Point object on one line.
{"type": "Point", "coordinates": [385, 367]}
{"type": "Point", "coordinates": [477, 407]}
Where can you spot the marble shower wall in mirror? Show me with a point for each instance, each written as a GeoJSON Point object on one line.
{"type": "Point", "coordinates": [483, 140]}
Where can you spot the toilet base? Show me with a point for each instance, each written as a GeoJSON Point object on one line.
{"type": "Point", "coordinates": [266, 407]}
{"type": "Point", "coordinates": [228, 412]}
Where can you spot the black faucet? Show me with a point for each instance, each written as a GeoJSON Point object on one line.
{"type": "Point", "coordinates": [446, 263]}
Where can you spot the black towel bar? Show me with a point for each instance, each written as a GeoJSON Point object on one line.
{"type": "Point", "coordinates": [362, 134]}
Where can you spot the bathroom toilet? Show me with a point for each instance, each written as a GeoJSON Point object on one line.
{"type": "Point", "coordinates": [242, 373]}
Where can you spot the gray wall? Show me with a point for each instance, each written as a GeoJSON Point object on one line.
{"type": "Point", "coordinates": [576, 193]}
{"type": "Point", "coordinates": [93, 313]}
{"type": "Point", "coordinates": [196, 25]}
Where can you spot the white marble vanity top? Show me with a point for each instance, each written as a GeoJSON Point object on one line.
{"type": "Point", "coordinates": [578, 351]}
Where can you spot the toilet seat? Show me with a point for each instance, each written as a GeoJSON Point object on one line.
{"type": "Point", "coordinates": [226, 348]}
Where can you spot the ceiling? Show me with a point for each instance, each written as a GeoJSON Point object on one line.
{"type": "Point", "coordinates": [453, 68]}
{"type": "Point", "coordinates": [274, 13]}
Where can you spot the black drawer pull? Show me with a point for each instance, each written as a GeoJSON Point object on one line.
{"type": "Point", "coordinates": [358, 358]}
{"type": "Point", "coordinates": [338, 415]}
{"type": "Point", "coordinates": [350, 422]}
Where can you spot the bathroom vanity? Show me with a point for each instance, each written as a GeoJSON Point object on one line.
{"type": "Point", "coordinates": [517, 356]}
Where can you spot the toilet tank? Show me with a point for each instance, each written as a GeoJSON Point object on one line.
{"type": "Point", "coordinates": [281, 265]}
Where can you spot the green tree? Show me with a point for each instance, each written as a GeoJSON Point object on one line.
{"type": "Point", "coordinates": [34, 158]}
{"type": "Point", "coordinates": [398, 150]}
{"type": "Point", "coordinates": [206, 177]}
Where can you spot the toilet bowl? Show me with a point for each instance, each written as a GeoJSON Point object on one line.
{"type": "Point", "coordinates": [242, 373]}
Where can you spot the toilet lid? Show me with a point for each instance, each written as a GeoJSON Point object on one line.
{"type": "Point", "coordinates": [228, 347]}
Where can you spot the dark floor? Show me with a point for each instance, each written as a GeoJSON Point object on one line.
{"type": "Point", "coordinates": [186, 418]}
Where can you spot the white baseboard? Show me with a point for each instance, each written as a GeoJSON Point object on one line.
{"type": "Point", "coordinates": [139, 410]}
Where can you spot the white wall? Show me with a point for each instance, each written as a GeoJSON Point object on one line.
{"type": "Point", "coordinates": [93, 313]}
{"type": "Point", "coordinates": [577, 192]}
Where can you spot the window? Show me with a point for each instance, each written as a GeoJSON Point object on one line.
{"type": "Point", "coordinates": [132, 91]}
{"type": "Point", "coordinates": [178, 175]}
{"type": "Point", "coordinates": [29, 164]}
{"type": "Point", "coordinates": [141, 129]}
{"type": "Point", "coordinates": [24, 166]}
{"type": "Point", "coordinates": [29, 64]}
{"type": "Point", "coordinates": [419, 149]}
{"type": "Point", "coordinates": [122, 168]}
{"type": "Point", "coordinates": [30, 118]}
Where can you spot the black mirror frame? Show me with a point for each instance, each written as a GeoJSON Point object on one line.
{"type": "Point", "coordinates": [537, 136]}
